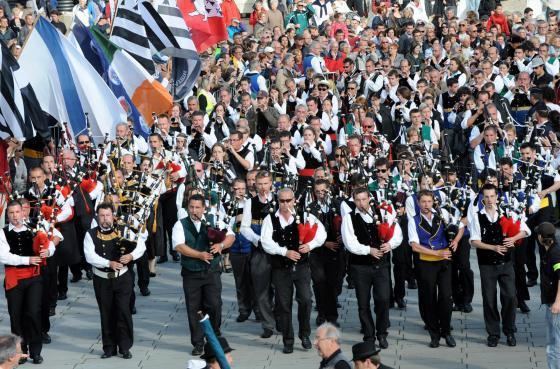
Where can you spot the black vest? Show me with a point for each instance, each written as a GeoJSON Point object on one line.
{"type": "Point", "coordinates": [239, 170]}
{"type": "Point", "coordinates": [259, 211]}
{"type": "Point", "coordinates": [310, 161]}
{"type": "Point", "coordinates": [21, 243]}
{"type": "Point", "coordinates": [286, 237]}
{"type": "Point", "coordinates": [106, 245]}
{"type": "Point", "coordinates": [35, 201]}
{"type": "Point", "coordinates": [491, 233]}
{"type": "Point", "coordinates": [367, 235]}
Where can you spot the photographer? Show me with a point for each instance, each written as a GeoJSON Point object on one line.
{"type": "Point", "coordinates": [263, 117]}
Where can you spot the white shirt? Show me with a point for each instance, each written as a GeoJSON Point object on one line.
{"type": "Point", "coordinates": [413, 234]}
{"type": "Point", "coordinates": [7, 258]}
{"type": "Point", "coordinates": [246, 229]}
{"type": "Point", "coordinates": [351, 241]}
{"type": "Point", "coordinates": [178, 233]}
{"type": "Point", "coordinates": [273, 248]}
{"type": "Point", "coordinates": [100, 262]}
{"type": "Point", "coordinates": [474, 225]}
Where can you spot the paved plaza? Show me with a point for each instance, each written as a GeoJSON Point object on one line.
{"type": "Point", "coordinates": [162, 341]}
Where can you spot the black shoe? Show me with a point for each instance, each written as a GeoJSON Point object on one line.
{"type": "Point", "coordinates": [320, 320]}
{"type": "Point", "coordinates": [52, 311]}
{"type": "Point", "coordinates": [522, 305]}
{"type": "Point", "coordinates": [46, 338]}
{"type": "Point", "coordinates": [76, 279]}
{"type": "Point", "coordinates": [383, 342]}
{"type": "Point", "coordinates": [37, 359]}
{"type": "Point", "coordinates": [162, 259]}
{"type": "Point", "coordinates": [176, 257]}
{"type": "Point", "coordinates": [434, 342]}
{"type": "Point", "coordinates": [492, 341]}
{"type": "Point", "coordinates": [401, 304]}
{"type": "Point", "coordinates": [458, 307]}
{"type": "Point", "coordinates": [107, 355]}
{"type": "Point", "coordinates": [145, 291]}
{"type": "Point", "coordinates": [267, 333]}
{"type": "Point", "coordinates": [197, 350]}
{"type": "Point", "coordinates": [511, 341]}
{"type": "Point", "coordinates": [89, 274]}
{"type": "Point", "coordinates": [306, 343]}
{"type": "Point", "coordinates": [22, 360]}
{"type": "Point", "coordinates": [450, 341]}
{"type": "Point", "coordinates": [126, 355]}
{"type": "Point", "coordinates": [62, 296]}
{"type": "Point", "coordinates": [467, 308]}
{"type": "Point", "coordinates": [531, 282]}
{"type": "Point", "coordinates": [412, 284]}
{"type": "Point", "coordinates": [152, 275]}
{"type": "Point", "coordinates": [133, 311]}
{"type": "Point", "coordinates": [227, 269]}
{"type": "Point", "coordinates": [288, 349]}
{"type": "Point", "coordinates": [241, 318]}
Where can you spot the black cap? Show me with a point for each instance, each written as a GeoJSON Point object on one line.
{"type": "Point", "coordinates": [209, 350]}
{"type": "Point", "coordinates": [364, 350]}
{"type": "Point", "coordinates": [546, 230]}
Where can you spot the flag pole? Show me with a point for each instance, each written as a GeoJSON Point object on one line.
{"type": "Point", "coordinates": [113, 19]}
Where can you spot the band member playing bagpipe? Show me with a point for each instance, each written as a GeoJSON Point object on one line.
{"type": "Point", "coordinates": [282, 166]}
{"type": "Point", "coordinates": [200, 246]}
{"type": "Point", "coordinates": [426, 236]}
{"type": "Point", "coordinates": [254, 212]}
{"type": "Point", "coordinates": [240, 252]}
{"type": "Point", "coordinates": [495, 235]}
{"type": "Point", "coordinates": [369, 239]}
{"type": "Point", "coordinates": [539, 177]}
{"type": "Point", "coordinates": [23, 255]}
{"type": "Point", "coordinates": [107, 250]}
{"type": "Point", "coordinates": [169, 164]}
{"type": "Point", "coordinates": [289, 243]}
{"type": "Point", "coordinates": [328, 262]}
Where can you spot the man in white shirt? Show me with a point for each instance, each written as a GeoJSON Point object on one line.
{"type": "Point", "coordinates": [282, 238]}
{"type": "Point", "coordinates": [369, 263]}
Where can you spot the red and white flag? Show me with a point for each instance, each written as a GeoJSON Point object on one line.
{"type": "Point", "coordinates": [205, 20]}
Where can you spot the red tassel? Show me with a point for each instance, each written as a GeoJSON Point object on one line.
{"type": "Point", "coordinates": [88, 185]}
{"type": "Point", "coordinates": [47, 211]}
{"type": "Point", "coordinates": [307, 232]}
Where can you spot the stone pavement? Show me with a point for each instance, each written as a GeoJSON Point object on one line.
{"type": "Point", "coordinates": [162, 341]}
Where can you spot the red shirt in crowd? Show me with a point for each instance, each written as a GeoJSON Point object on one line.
{"type": "Point", "coordinates": [499, 20]}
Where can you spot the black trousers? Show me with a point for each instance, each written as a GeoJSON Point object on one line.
{"type": "Point", "coordinates": [284, 280]}
{"type": "Point", "coordinates": [519, 256]}
{"type": "Point", "coordinates": [402, 263]}
{"type": "Point", "coordinates": [462, 275]}
{"type": "Point", "coordinates": [372, 280]}
{"type": "Point", "coordinates": [544, 215]}
{"type": "Point", "coordinates": [261, 278]}
{"type": "Point", "coordinates": [490, 277]}
{"type": "Point", "coordinates": [46, 296]}
{"type": "Point", "coordinates": [326, 269]}
{"type": "Point", "coordinates": [169, 213]}
{"type": "Point", "coordinates": [434, 295]}
{"type": "Point", "coordinates": [203, 292]}
{"type": "Point", "coordinates": [113, 300]}
{"type": "Point", "coordinates": [24, 307]}
{"type": "Point", "coordinates": [51, 285]}
{"type": "Point", "coordinates": [143, 271]}
{"type": "Point", "coordinates": [241, 265]}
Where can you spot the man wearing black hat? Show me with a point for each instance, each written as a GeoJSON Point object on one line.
{"type": "Point", "coordinates": [366, 356]}
{"type": "Point", "coordinates": [550, 295]}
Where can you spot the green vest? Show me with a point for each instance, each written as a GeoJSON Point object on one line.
{"type": "Point", "coordinates": [197, 241]}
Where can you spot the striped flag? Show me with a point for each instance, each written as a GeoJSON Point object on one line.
{"type": "Point", "coordinates": [66, 85]}
{"type": "Point", "coordinates": [129, 34]}
{"type": "Point", "coordinates": [169, 35]}
{"type": "Point", "coordinates": [20, 113]}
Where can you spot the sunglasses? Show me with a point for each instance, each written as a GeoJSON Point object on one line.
{"type": "Point", "coordinates": [285, 201]}
{"type": "Point", "coordinates": [338, 155]}
{"type": "Point", "coordinates": [83, 142]}
{"type": "Point", "coordinates": [323, 89]}
{"type": "Point", "coordinates": [382, 170]}
{"type": "Point", "coordinates": [367, 126]}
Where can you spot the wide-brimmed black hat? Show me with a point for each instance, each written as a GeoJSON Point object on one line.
{"type": "Point", "coordinates": [364, 350]}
